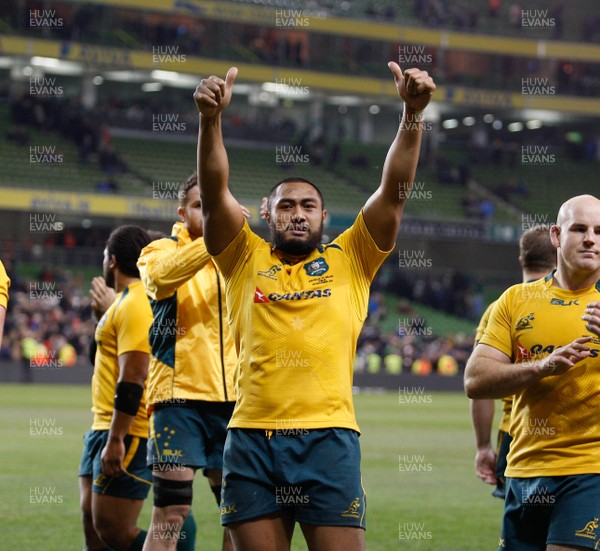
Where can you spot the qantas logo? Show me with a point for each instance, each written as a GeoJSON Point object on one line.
{"type": "Point", "coordinates": [259, 296]}
{"type": "Point", "coordinates": [300, 295]}
{"type": "Point", "coordinates": [523, 353]}
{"type": "Point", "coordinates": [549, 348]}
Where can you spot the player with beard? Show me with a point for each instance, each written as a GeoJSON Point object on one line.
{"type": "Point", "coordinates": [296, 308]}
{"type": "Point", "coordinates": [113, 477]}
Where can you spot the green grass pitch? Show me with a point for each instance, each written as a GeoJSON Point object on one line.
{"type": "Point", "coordinates": [422, 492]}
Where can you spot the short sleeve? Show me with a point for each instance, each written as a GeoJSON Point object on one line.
{"type": "Point", "coordinates": [132, 323]}
{"type": "Point", "coordinates": [498, 332]}
{"type": "Point", "coordinates": [485, 319]}
{"type": "Point", "coordinates": [364, 254]}
{"type": "Point", "coordinates": [232, 260]}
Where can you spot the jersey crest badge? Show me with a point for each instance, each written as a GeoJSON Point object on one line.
{"type": "Point", "coordinates": [316, 267]}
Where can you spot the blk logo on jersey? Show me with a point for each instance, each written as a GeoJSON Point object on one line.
{"type": "Point", "coordinates": [316, 267]}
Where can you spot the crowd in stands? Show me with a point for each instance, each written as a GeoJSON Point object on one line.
{"type": "Point", "coordinates": [412, 348]}
{"type": "Point", "coordinates": [453, 292]}
{"type": "Point", "coordinates": [49, 321]}
{"type": "Point", "coordinates": [393, 354]}
{"type": "Point", "coordinates": [505, 15]}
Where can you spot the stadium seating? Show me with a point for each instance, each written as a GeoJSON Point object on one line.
{"type": "Point", "coordinates": [69, 174]}
{"type": "Point", "coordinates": [548, 185]}
{"type": "Point", "coordinates": [454, 15]}
{"type": "Point", "coordinates": [442, 324]}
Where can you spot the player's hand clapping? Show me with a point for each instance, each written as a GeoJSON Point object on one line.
{"type": "Point", "coordinates": [102, 297]}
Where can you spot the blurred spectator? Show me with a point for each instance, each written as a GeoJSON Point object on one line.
{"type": "Point", "coordinates": [107, 185]}
{"type": "Point", "coordinates": [494, 7]}
{"type": "Point", "coordinates": [515, 16]}
{"type": "Point", "coordinates": [556, 13]}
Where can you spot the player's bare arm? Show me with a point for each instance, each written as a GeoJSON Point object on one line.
{"type": "Point", "coordinates": [223, 218]}
{"type": "Point", "coordinates": [490, 373]}
{"type": "Point", "coordinates": [482, 415]}
{"type": "Point", "coordinates": [383, 210]}
{"type": "Point", "coordinates": [133, 368]}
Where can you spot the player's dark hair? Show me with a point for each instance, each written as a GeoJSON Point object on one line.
{"type": "Point", "coordinates": [536, 250]}
{"type": "Point", "coordinates": [126, 243]}
{"type": "Point", "coordinates": [290, 180]}
{"type": "Point", "coordinates": [184, 188]}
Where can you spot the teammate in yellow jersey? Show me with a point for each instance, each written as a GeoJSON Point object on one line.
{"type": "Point", "coordinates": [542, 345]}
{"type": "Point", "coordinates": [191, 377]}
{"type": "Point", "coordinates": [537, 258]}
{"type": "Point", "coordinates": [114, 479]}
{"type": "Point", "coordinates": [296, 309]}
{"type": "Point", "coordinates": [4, 285]}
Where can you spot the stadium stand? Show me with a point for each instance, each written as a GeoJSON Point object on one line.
{"type": "Point", "coordinates": [489, 187]}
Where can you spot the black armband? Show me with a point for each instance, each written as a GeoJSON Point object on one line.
{"type": "Point", "coordinates": [128, 397]}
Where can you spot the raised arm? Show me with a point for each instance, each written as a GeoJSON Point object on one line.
{"type": "Point", "coordinates": [490, 373]}
{"type": "Point", "coordinates": [223, 218]}
{"type": "Point", "coordinates": [383, 210]}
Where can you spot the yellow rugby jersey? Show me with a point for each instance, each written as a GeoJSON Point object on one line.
{"type": "Point", "coordinates": [296, 327]}
{"type": "Point", "coordinates": [193, 355]}
{"type": "Point", "coordinates": [123, 328]}
{"type": "Point", "coordinates": [555, 422]}
{"type": "Point", "coordinates": [4, 285]}
{"type": "Point", "coordinates": [508, 400]}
